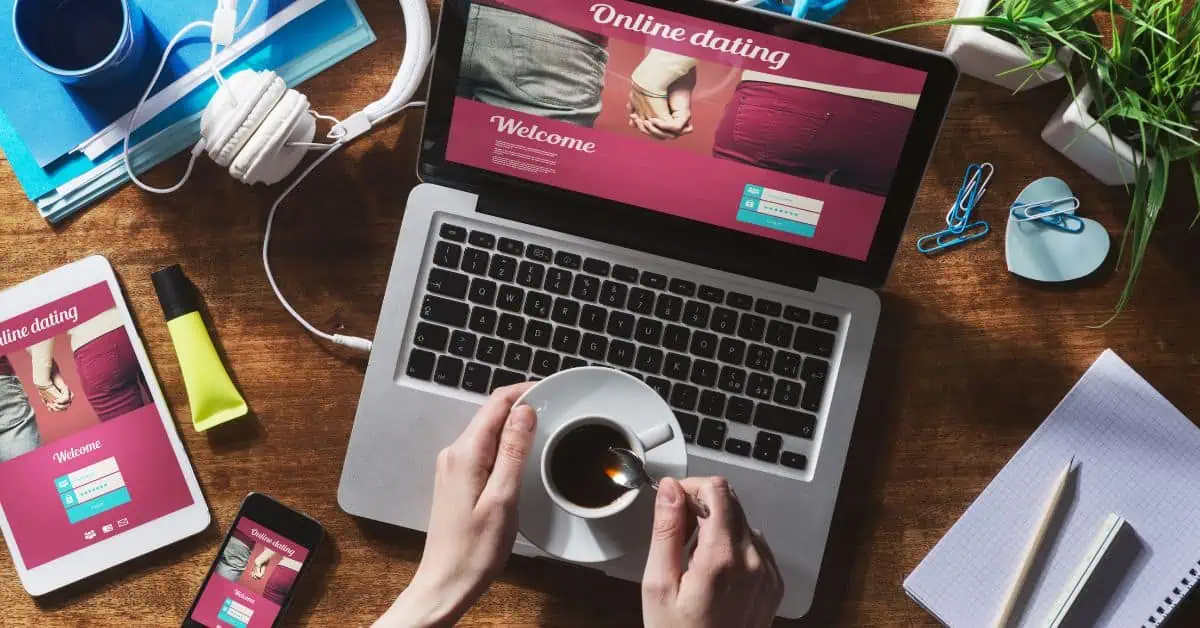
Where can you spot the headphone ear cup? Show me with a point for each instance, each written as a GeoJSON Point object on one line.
{"type": "Point", "coordinates": [266, 156]}
{"type": "Point", "coordinates": [237, 110]}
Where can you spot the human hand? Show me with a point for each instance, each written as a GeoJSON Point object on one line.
{"type": "Point", "coordinates": [57, 395]}
{"type": "Point", "coordinates": [663, 118]}
{"type": "Point", "coordinates": [260, 564]}
{"type": "Point", "coordinates": [473, 524]}
{"type": "Point", "coordinates": [732, 580]}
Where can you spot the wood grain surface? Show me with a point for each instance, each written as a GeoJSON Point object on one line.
{"type": "Point", "coordinates": [969, 359]}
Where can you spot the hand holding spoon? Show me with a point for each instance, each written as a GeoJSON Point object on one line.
{"type": "Point", "coordinates": [630, 472]}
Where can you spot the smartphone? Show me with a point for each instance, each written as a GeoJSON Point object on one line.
{"type": "Point", "coordinates": [264, 555]}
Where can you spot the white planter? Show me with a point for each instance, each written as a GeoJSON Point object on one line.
{"type": "Point", "coordinates": [988, 57]}
{"type": "Point", "coordinates": [1075, 133]}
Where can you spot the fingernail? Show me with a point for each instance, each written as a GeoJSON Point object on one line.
{"type": "Point", "coordinates": [668, 494]}
{"type": "Point", "coordinates": [521, 419]}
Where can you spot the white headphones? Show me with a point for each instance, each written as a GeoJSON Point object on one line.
{"type": "Point", "coordinates": [260, 130]}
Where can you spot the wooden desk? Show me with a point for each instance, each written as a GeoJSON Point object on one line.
{"type": "Point", "coordinates": [968, 359]}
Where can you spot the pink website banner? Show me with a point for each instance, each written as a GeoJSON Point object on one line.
{"type": "Point", "coordinates": [144, 462]}
{"type": "Point", "coordinates": [219, 594]}
{"type": "Point", "coordinates": [651, 175]}
{"type": "Point", "coordinates": [281, 544]}
{"type": "Point", "coordinates": [54, 318]}
{"type": "Point", "coordinates": [722, 44]}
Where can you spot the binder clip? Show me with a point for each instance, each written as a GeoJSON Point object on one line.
{"type": "Point", "coordinates": [959, 227]}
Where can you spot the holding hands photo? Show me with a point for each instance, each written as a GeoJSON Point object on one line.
{"type": "Point", "coordinates": [666, 117]}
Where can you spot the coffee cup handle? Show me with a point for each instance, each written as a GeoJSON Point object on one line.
{"type": "Point", "coordinates": [656, 436]}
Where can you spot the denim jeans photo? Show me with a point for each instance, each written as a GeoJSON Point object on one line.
{"type": "Point", "coordinates": [18, 428]}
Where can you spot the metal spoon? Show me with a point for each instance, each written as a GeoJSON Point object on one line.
{"type": "Point", "coordinates": [630, 472]}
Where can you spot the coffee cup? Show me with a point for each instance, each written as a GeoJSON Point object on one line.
{"type": "Point", "coordinates": [84, 43]}
{"type": "Point", "coordinates": [574, 461]}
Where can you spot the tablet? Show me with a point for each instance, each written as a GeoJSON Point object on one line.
{"type": "Point", "coordinates": [92, 471]}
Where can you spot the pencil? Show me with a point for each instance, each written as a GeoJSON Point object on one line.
{"type": "Point", "coordinates": [1035, 545]}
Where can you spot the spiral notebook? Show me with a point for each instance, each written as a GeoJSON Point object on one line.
{"type": "Point", "coordinates": [1138, 457]}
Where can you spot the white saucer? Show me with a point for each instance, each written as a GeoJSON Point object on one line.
{"type": "Point", "coordinates": [594, 391]}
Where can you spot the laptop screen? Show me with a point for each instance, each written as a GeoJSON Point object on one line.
{"type": "Point", "coordinates": [696, 119]}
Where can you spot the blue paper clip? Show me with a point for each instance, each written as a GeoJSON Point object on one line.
{"type": "Point", "coordinates": [959, 227]}
{"type": "Point", "coordinates": [1057, 214]}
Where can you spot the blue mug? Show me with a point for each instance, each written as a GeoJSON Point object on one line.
{"type": "Point", "coordinates": [86, 43]}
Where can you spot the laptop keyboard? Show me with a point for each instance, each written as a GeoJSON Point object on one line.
{"type": "Point", "coordinates": [744, 375]}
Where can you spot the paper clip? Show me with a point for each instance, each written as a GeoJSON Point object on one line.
{"type": "Point", "coordinates": [1061, 218]}
{"type": "Point", "coordinates": [959, 227]}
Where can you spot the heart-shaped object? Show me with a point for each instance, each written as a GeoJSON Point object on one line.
{"type": "Point", "coordinates": [1043, 253]}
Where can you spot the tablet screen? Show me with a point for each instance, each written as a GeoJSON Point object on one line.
{"type": "Point", "coordinates": [84, 455]}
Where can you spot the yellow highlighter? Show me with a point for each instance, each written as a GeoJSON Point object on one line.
{"type": "Point", "coordinates": [211, 393]}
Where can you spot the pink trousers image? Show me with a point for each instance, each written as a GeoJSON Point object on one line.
{"type": "Point", "coordinates": [111, 376]}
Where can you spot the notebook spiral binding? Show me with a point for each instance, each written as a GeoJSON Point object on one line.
{"type": "Point", "coordinates": [1177, 594]}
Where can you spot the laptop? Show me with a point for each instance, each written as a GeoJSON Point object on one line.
{"type": "Point", "coordinates": [727, 254]}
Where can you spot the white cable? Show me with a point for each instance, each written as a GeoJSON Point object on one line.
{"type": "Point", "coordinates": [246, 18]}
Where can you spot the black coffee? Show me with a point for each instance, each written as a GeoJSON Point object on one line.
{"type": "Point", "coordinates": [77, 34]}
{"type": "Point", "coordinates": [579, 466]}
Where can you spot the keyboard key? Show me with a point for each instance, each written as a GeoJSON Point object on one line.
{"type": "Point", "coordinates": [684, 397]}
{"type": "Point", "coordinates": [688, 424]}
{"type": "Point", "coordinates": [641, 301]}
{"type": "Point", "coordinates": [634, 374]}
{"type": "Point", "coordinates": [668, 307]}
{"type": "Point", "coordinates": [724, 321]}
{"type": "Point", "coordinates": [793, 460]}
{"type": "Point", "coordinates": [712, 434]}
{"type": "Point", "coordinates": [476, 378]}
{"type": "Point", "coordinates": [511, 327]}
{"type": "Point", "coordinates": [676, 338]}
{"type": "Point", "coordinates": [585, 288]}
{"type": "Point", "coordinates": [453, 232]}
{"type": "Point", "coordinates": [593, 318]}
{"type": "Point", "coordinates": [779, 334]}
{"type": "Point", "coordinates": [712, 295]}
{"type": "Point", "coordinates": [545, 363]}
{"type": "Point", "coordinates": [566, 340]}
{"type": "Point", "coordinates": [682, 287]}
{"type": "Point", "coordinates": [558, 281]}
{"type": "Point", "coordinates": [621, 353]}
{"type": "Point", "coordinates": [613, 294]}
{"type": "Point", "coordinates": [502, 378]}
{"type": "Point", "coordinates": [510, 298]}
{"type": "Point", "coordinates": [677, 367]}
{"type": "Point", "coordinates": [594, 347]}
{"type": "Point", "coordinates": [787, 393]}
{"type": "Point", "coordinates": [566, 312]}
{"type": "Point", "coordinates": [759, 357]}
{"type": "Point", "coordinates": [704, 344]}
{"type": "Point", "coordinates": [766, 446]}
{"type": "Point", "coordinates": [530, 275]}
{"type": "Point", "coordinates": [518, 357]}
{"type": "Point", "coordinates": [648, 331]}
{"type": "Point", "coordinates": [787, 364]}
{"type": "Point", "coordinates": [712, 403]}
{"type": "Point", "coordinates": [704, 373]}
{"type": "Point", "coordinates": [760, 386]}
{"type": "Point", "coordinates": [475, 261]}
{"type": "Point", "coordinates": [537, 304]}
{"type": "Point", "coordinates": [625, 273]}
{"type": "Point", "coordinates": [654, 280]}
{"type": "Point", "coordinates": [420, 364]}
{"type": "Point", "coordinates": [511, 246]}
{"type": "Point", "coordinates": [490, 350]}
{"type": "Point", "coordinates": [539, 253]}
{"type": "Point", "coordinates": [482, 292]}
{"type": "Point", "coordinates": [537, 333]}
{"type": "Point", "coordinates": [569, 362]}
{"type": "Point", "coordinates": [596, 267]}
{"type": "Point", "coordinates": [737, 447]}
{"type": "Point", "coordinates": [732, 351]}
{"type": "Point", "coordinates": [814, 392]}
{"type": "Point", "coordinates": [797, 314]}
{"type": "Point", "coordinates": [825, 321]}
{"type": "Point", "coordinates": [447, 283]}
{"type": "Point", "coordinates": [696, 314]}
{"type": "Point", "coordinates": [444, 311]}
{"type": "Point", "coordinates": [768, 307]}
{"type": "Point", "coordinates": [620, 325]}
{"type": "Point", "coordinates": [740, 410]}
{"type": "Point", "coordinates": [482, 239]}
{"type": "Point", "coordinates": [751, 327]}
{"type": "Point", "coordinates": [739, 300]}
{"type": "Point", "coordinates": [784, 421]}
{"type": "Point", "coordinates": [448, 372]}
{"type": "Point", "coordinates": [503, 268]}
{"type": "Point", "coordinates": [431, 336]}
{"type": "Point", "coordinates": [649, 360]}
{"type": "Point", "coordinates": [818, 343]}
{"type": "Point", "coordinates": [463, 344]}
{"type": "Point", "coordinates": [568, 260]}
{"type": "Point", "coordinates": [815, 370]}
{"type": "Point", "coordinates": [660, 386]}
{"type": "Point", "coordinates": [483, 320]}
{"type": "Point", "coordinates": [732, 380]}
{"type": "Point", "coordinates": [447, 255]}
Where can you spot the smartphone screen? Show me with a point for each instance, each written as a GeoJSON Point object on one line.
{"type": "Point", "coordinates": [253, 578]}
